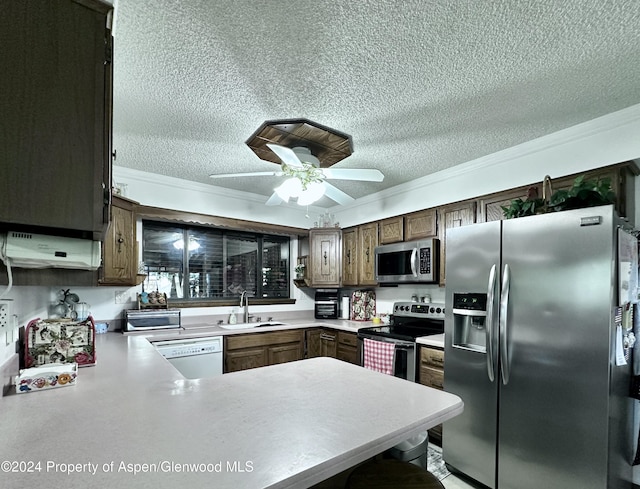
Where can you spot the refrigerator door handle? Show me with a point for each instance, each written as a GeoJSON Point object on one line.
{"type": "Point", "coordinates": [489, 326]}
{"type": "Point", "coordinates": [504, 307]}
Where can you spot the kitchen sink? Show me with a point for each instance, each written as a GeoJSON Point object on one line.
{"type": "Point", "coordinates": [251, 325]}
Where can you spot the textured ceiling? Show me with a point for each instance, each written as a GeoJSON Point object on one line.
{"type": "Point", "coordinates": [419, 85]}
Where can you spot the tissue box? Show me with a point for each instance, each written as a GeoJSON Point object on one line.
{"type": "Point", "coordinates": [49, 376]}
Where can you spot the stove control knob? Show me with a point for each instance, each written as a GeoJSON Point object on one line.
{"type": "Point", "coordinates": [432, 310]}
{"type": "Point", "coordinates": [438, 310]}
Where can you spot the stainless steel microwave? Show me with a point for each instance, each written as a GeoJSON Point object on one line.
{"type": "Point", "coordinates": [407, 262]}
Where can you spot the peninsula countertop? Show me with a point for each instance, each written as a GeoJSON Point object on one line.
{"type": "Point", "coordinates": [132, 420]}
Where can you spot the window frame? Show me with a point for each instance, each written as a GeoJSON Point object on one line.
{"type": "Point", "coordinates": [188, 219]}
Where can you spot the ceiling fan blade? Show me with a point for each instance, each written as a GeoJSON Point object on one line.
{"type": "Point", "coordinates": [248, 174]}
{"type": "Point", "coordinates": [334, 193]}
{"type": "Point", "coordinates": [362, 174]}
{"type": "Point", "coordinates": [274, 199]}
{"type": "Point", "coordinates": [288, 156]}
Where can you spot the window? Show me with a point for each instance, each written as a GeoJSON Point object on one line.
{"type": "Point", "coordinates": [192, 263]}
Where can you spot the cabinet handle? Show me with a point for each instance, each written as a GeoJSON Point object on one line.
{"type": "Point", "coordinates": [120, 240]}
{"type": "Point", "coordinates": [349, 257]}
{"type": "Point", "coordinates": [367, 253]}
{"type": "Point", "coordinates": [325, 257]}
{"type": "Point", "coordinates": [439, 361]}
{"type": "Point", "coordinates": [327, 337]}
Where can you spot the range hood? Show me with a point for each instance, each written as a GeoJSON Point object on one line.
{"type": "Point", "coordinates": [29, 250]}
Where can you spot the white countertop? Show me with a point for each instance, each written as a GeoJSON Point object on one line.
{"type": "Point", "coordinates": [433, 340]}
{"type": "Point", "coordinates": [289, 425]}
{"type": "Point", "coordinates": [196, 330]}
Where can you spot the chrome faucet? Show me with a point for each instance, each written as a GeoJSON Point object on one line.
{"type": "Point", "coordinates": [244, 298]}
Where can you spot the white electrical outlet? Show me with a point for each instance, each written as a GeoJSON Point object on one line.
{"type": "Point", "coordinates": [6, 315]}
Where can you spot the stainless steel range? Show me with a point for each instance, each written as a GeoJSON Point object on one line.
{"type": "Point", "coordinates": [410, 320]}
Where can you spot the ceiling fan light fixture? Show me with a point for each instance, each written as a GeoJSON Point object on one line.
{"type": "Point", "coordinates": [291, 187]}
{"type": "Point", "coordinates": [313, 192]}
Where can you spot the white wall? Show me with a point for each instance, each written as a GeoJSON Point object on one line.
{"type": "Point", "coordinates": [27, 303]}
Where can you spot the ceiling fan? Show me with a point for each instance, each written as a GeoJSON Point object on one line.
{"type": "Point", "coordinates": [307, 180]}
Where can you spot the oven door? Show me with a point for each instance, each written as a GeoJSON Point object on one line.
{"type": "Point", "coordinates": [405, 355]}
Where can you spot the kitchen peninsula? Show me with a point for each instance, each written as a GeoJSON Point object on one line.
{"type": "Point", "coordinates": [134, 420]}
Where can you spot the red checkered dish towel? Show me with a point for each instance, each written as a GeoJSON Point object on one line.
{"type": "Point", "coordinates": [379, 356]}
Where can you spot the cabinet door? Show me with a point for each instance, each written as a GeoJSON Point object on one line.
{"type": "Point", "coordinates": [490, 207]}
{"type": "Point", "coordinates": [432, 375]}
{"type": "Point", "coordinates": [245, 359]}
{"type": "Point", "coordinates": [350, 256]}
{"type": "Point", "coordinates": [348, 347]}
{"type": "Point", "coordinates": [418, 225]}
{"type": "Point", "coordinates": [119, 266]}
{"type": "Point", "coordinates": [452, 216]}
{"type": "Point", "coordinates": [328, 344]}
{"type": "Point", "coordinates": [368, 240]}
{"type": "Point", "coordinates": [285, 353]}
{"type": "Point", "coordinates": [312, 338]}
{"type": "Point", "coordinates": [55, 120]}
{"type": "Point", "coordinates": [392, 230]}
{"type": "Point", "coordinates": [326, 251]}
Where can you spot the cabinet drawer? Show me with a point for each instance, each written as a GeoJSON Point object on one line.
{"type": "Point", "coordinates": [432, 356]}
{"type": "Point", "coordinates": [252, 340]}
{"type": "Point", "coordinates": [347, 338]}
{"type": "Point", "coordinates": [432, 377]}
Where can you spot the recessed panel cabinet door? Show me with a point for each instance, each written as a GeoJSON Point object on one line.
{"type": "Point", "coordinates": [350, 256]}
{"type": "Point", "coordinates": [120, 260]}
{"type": "Point", "coordinates": [55, 116]}
{"type": "Point", "coordinates": [325, 253]}
{"type": "Point", "coordinates": [368, 240]}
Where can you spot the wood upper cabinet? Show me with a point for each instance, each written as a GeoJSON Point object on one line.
{"type": "Point", "coordinates": [392, 230]}
{"type": "Point", "coordinates": [620, 175]}
{"type": "Point", "coordinates": [452, 216]}
{"type": "Point", "coordinates": [367, 242]}
{"type": "Point", "coordinates": [350, 256]}
{"type": "Point", "coordinates": [490, 207]}
{"type": "Point", "coordinates": [120, 250]}
{"type": "Point", "coordinates": [421, 224]}
{"type": "Point", "coordinates": [325, 253]}
{"type": "Point", "coordinates": [55, 120]}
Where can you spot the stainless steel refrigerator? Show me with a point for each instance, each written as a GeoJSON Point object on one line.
{"type": "Point", "coordinates": [530, 348]}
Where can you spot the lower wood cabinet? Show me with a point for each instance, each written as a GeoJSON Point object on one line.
{"type": "Point", "coordinates": [252, 350]}
{"type": "Point", "coordinates": [321, 342]}
{"type": "Point", "coordinates": [348, 347]}
{"type": "Point", "coordinates": [325, 342]}
{"type": "Point", "coordinates": [432, 375]}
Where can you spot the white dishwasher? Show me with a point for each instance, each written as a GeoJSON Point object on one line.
{"type": "Point", "coordinates": [195, 358]}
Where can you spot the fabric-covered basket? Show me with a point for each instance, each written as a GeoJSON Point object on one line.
{"type": "Point", "coordinates": [54, 341]}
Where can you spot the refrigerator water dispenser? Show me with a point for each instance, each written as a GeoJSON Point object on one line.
{"type": "Point", "coordinates": [469, 321]}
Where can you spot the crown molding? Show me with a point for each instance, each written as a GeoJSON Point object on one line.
{"type": "Point", "coordinates": [545, 143]}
